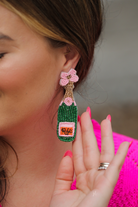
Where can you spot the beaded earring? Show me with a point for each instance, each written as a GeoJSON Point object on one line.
{"type": "Point", "coordinates": [67, 111]}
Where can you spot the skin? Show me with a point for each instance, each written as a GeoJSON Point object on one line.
{"type": "Point", "coordinates": [29, 77]}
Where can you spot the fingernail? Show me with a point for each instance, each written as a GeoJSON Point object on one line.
{"type": "Point", "coordinates": [68, 153]}
{"type": "Point", "coordinates": [89, 111]}
{"type": "Point", "coordinates": [130, 144]}
{"type": "Point", "coordinates": [109, 118]}
{"type": "Point", "coordinates": [79, 119]}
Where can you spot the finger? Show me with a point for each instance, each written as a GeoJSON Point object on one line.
{"type": "Point", "coordinates": [77, 149]}
{"type": "Point", "coordinates": [101, 195]}
{"type": "Point", "coordinates": [91, 151]}
{"type": "Point", "coordinates": [64, 177]}
{"type": "Point", "coordinates": [113, 170]}
{"type": "Point", "coordinates": [107, 143]}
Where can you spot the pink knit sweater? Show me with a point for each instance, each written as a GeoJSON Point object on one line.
{"type": "Point", "coordinates": [126, 190]}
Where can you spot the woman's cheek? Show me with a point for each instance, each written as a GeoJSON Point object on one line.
{"type": "Point", "coordinates": [12, 74]}
{"type": "Point", "coordinates": [29, 82]}
{"type": "Point", "coordinates": [15, 72]}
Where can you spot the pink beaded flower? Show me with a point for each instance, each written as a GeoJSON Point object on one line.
{"type": "Point", "coordinates": [70, 76]}
{"type": "Point", "coordinates": [68, 101]}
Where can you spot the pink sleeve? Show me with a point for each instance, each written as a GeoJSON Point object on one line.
{"type": "Point", "coordinates": [126, 190]}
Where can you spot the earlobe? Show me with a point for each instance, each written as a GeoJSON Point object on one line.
{"type": "Point", "coordinates": [72, 57]}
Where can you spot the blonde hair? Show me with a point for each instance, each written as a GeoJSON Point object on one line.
{"type": "Point", "coordinates": [33, 23]}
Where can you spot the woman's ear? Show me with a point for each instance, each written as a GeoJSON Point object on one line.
{"type": "Point", "coordinates": [72, 57]}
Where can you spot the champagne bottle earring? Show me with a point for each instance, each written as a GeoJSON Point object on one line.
{"type": "Point", "coordinates": [67, 111]}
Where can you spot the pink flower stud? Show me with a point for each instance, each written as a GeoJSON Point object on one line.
{"type": "Point", "coordinates": [66, 77]}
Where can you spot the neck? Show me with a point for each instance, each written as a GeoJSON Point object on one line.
{"type": "Point", "coordinates": [39, 151]}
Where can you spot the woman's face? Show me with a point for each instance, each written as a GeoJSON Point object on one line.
{"type": "Point", "coordinates": [29, 71]}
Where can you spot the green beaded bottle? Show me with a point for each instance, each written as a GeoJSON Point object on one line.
{"type": "Point", "coordinates": [67, 122]}
{"type": "Point", "coordinates": [67, 111]}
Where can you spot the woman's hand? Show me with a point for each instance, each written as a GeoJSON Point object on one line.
{"type": "Point", "coordinates": [94, 187]}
